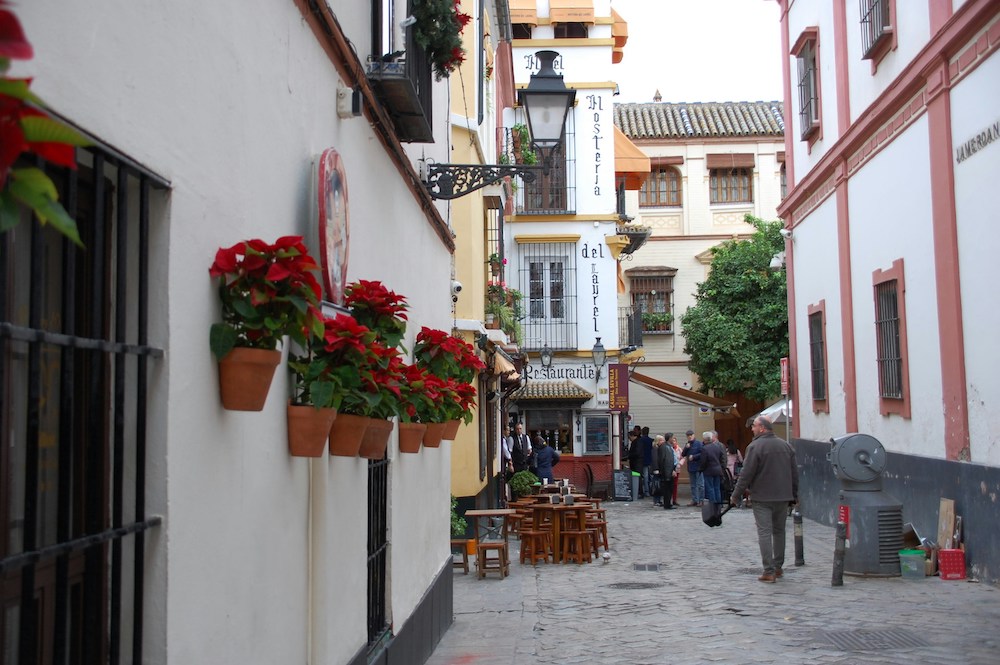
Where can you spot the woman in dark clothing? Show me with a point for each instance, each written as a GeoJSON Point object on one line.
{"type": "Point", "coordinates": [545, 458]}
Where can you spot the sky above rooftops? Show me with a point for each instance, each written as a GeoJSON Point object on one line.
{"type": "Point", "coordinates": [700, 51]}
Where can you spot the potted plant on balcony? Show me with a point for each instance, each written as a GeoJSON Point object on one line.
{"type": "Point", "coordinates": [267, 291]}
{"type": "Point", "coordinates": [438, 29]}
{"type": "Point", "coordinates": [496, 263]}
{"type": "Point", "coordinates": [656, 321]}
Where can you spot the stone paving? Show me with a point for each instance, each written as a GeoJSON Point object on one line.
{"type": "Point", "coordinates": [704, 604]}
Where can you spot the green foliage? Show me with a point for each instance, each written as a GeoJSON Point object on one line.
{"type": "Point", "coordinates": [521, 483]}
{"type": "Point", "coordinates": [458, 524]}
{"type": "Point", "coordinates": [656, 320]}
{"type": "Point", "coordinates": [738, 330]}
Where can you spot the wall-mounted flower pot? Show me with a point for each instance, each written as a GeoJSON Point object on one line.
{"type": "Point", "coordinates": [451, 429]}
{"type": "Point", "coordinates": [376, 439]}
{"type": "Point", "coordinates": [410, 437]}
{"type": "Point", "coordinates": [308, 430]}
{"type": "Point", "coordinates": [433, 435]}
{"type": "Point", "coordinates": [346, 434]}
{"type": "Point", "coordinates": [245, 378]}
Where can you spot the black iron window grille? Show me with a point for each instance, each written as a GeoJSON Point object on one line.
{"type": "Point", "coordinates": [552, 193]}
{"type": "Point", "coordinates": [875, 24]}
{"type": "Point", "coordinates": [808, 89]}
{"type": "Point", "coordinates": [662, 188]}
{"type": "Point", "coordinates": [378, 553]}
{"type": "Point", "coordinates": [547, 279]}
{"type": "Point", "coordinates": [653, 295]}
{"type": "Point", "coordinates": [817, 356]}
{"type": "Point", "coordinates": [887, 344]}
{"type": "Point", "coordinates": [731, 185]}
{"type": "Point", "coordinates": [630, 327]}
{"type": "Point", "coordinates": [74, 367]}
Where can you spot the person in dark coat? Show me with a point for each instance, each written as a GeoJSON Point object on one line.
{"type": "Point", "coordinates": [692, 452]}
{"type": "Point", "coordinates": [546, 457]}
{"type": "Point", "coordinates": [646, 445]}
{"type": "Point", "coordinates": [664, 464]}
{"type": "Point", "coordinates": [771, 476]}
{"type": "Point", "coordinates": [713, 461]}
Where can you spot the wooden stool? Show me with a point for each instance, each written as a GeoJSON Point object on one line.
{"type": "Point", "coordinates": [601, 527]}
{"type": "Point", "coordinates": [534, 545]}
{"type": "Point", "coordinates": [576, 545]}
{"type": "Point", "coordinates": [458, 547]}
{"type": "Point", "coordinates": [499, 563]}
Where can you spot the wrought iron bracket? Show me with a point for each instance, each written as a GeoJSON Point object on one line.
{"type": "Point", "coordinates": [450, 181]}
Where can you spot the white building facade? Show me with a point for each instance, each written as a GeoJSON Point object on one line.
{"type": "Point", "coordinates": [893, 147]}
{"type": "Point", "coordinates": [150, 524]}
{"type": "Point", "coordinates": [711, 165]}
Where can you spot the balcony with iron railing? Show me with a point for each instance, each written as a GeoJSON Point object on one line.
{"type": "Point", "coordinates": [630, 328]}
{"type": "Point", "coordinates": [402, 81]}
{"type": "Point", "coordinates": [552, 193]}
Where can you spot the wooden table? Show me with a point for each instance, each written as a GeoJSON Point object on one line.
{"type": "Point", "coordinates": [491, 537]}
{"type": "Point", "coordinates": [559, 512]}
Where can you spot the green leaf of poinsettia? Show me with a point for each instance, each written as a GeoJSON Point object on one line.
{"type": "Point", "coordinates": [41, 129]}
{"type": "Point", "coordinates": [10, 212]}
{"type": "Point", "coordinates": [221, 339]}
{"type": "Point", "coordinates": [37, 191]}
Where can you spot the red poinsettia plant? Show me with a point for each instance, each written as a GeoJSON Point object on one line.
{"type": "Point", "coordinates": [379, 309]}
{"type": "Point", "coordinates": [455, 366]}
{"type": "Point", "coordinates": [438, 29]}
{"type": "Point", "coordinates": [24, 129]}
{"type": "Point", "coordinates": [267, 291]}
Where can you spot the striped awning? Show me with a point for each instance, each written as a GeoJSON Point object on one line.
{"type": "Point", "coordinates": [571, 11]}
{"type": "Point", "coordinates": [553, 391]}
{"type": "Point", "coordinates": [722, 408]}
{"type": "Point", "coordinates": [523, 11]}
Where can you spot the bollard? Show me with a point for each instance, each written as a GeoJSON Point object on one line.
{"type": "Point", "coordinates": [800, 559]}
{"type": "Point", "coordinates": [838, 555]}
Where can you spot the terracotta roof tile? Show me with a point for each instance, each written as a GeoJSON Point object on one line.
{"type": "Point", "coordinates": [667, 120]}
{"type": "Point", "coordinates": [562, 390]}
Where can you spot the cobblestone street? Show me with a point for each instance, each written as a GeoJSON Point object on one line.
{"type": "Point", "coordinates": [677, 591]}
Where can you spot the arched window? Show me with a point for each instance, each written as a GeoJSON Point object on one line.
{"type": "Point", "coordinates": [662, 188]}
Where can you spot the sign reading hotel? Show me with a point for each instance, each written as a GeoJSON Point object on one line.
{"type": "Point", "coordinates": [618, 387]}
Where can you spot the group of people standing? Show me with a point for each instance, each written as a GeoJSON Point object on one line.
{"type": "Point", "coordinates": [521, 453]}
{"type": "Point", "coordinates": [712, 467]}
{"type": "Point", "coordinates": [658, 462]}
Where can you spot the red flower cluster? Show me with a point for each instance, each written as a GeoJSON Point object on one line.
{"type": "Point", "coordinates": [267, 291]}
{"type": "Point", "coordinates": [451, 367]}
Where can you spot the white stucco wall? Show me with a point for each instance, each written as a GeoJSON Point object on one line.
{"type": "Point", "coordinates": [975, 106]}
{"type": "Point", "coordinates": [232, 106]}
{"type": "Point", "coordinates": [816, 265]}
{"type": "Point", "coordinates": [880, 234]}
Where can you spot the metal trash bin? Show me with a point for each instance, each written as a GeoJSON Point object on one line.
{"type": "Point", "coordinates": [874, 518]}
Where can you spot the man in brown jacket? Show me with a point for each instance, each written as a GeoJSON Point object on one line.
{"type": "Point", "coordinates": [769, 472]}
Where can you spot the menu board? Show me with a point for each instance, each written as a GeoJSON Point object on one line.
{"type": "Point", "coordinates": [623, 484]}
{"type": "Point", "coordinates": [598, 434]}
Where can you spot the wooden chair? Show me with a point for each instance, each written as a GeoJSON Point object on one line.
{"type": "Point", "coordinates": [597, 488]}
{"type": "Point", "coordinates": [596, 520]}
{"type": "Point", "coordinates": [458, 546]}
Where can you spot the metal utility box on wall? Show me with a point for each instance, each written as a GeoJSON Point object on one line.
{"type": "Point", "coordinates": [874, 518]}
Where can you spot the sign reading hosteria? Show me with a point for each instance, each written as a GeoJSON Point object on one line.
{"type": "Point", "coordinates": [618, 387]}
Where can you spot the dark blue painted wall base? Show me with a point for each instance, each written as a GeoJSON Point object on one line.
{"type": "Point", "coordinates": [415, 640]}
{"type": "Point", "coordinates": [919, 483]}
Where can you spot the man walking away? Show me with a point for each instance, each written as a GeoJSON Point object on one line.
{"type": "Point", "coordinates": [713, 461]}
{"type": "Point", "coordinates": [769, 472]}
{"type": "Point", "coordinates": [692, 453]}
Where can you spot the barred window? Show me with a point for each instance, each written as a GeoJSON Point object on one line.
{"type": "Point", "coordinates": [661, 188]}
{"type": "Point", "coordinates": [654, 294]}
{"type": "Point", "coordinates": [547, 278]}
{"type": "Point", "coordinates": [806, 52]}
{"type": "Point", "coordinates": [817, 356]}
{"type": "Point", "coordinates": [890, 340]}
{"type": "Point", "coordinates": [876, 26]}
{"type": "Point", "coordinates": [731, 185]}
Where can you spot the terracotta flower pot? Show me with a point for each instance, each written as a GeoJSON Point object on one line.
{"type": "Point", "coordinates": [410, 436]}
{"type": "Point", "coordinates": [346, 434]}
{"type": "Point", "coordinates": [433, 435]}
{"type": "Point", "coordinates": [451, 430]}
{"type": "Point", "coordinates": [376, 439]}
{"type": "Point", "coordinates": [308, 429]}
{"type": "Point", "coordinates": [245, 378]}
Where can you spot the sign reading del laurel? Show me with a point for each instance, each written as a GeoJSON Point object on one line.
{"type": "Point", "coordinates": [618, 387]}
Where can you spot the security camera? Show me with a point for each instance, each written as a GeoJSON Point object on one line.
{"type": "Point", "coordinates": [785, 233]}
{"type": "Point", "coordinates": [456, 287]}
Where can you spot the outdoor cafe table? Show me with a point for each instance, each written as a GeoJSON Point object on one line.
{"type": "Point", "coordinates": [491, 534]}
{"type": "Point", "coordinates": [557, 519]}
